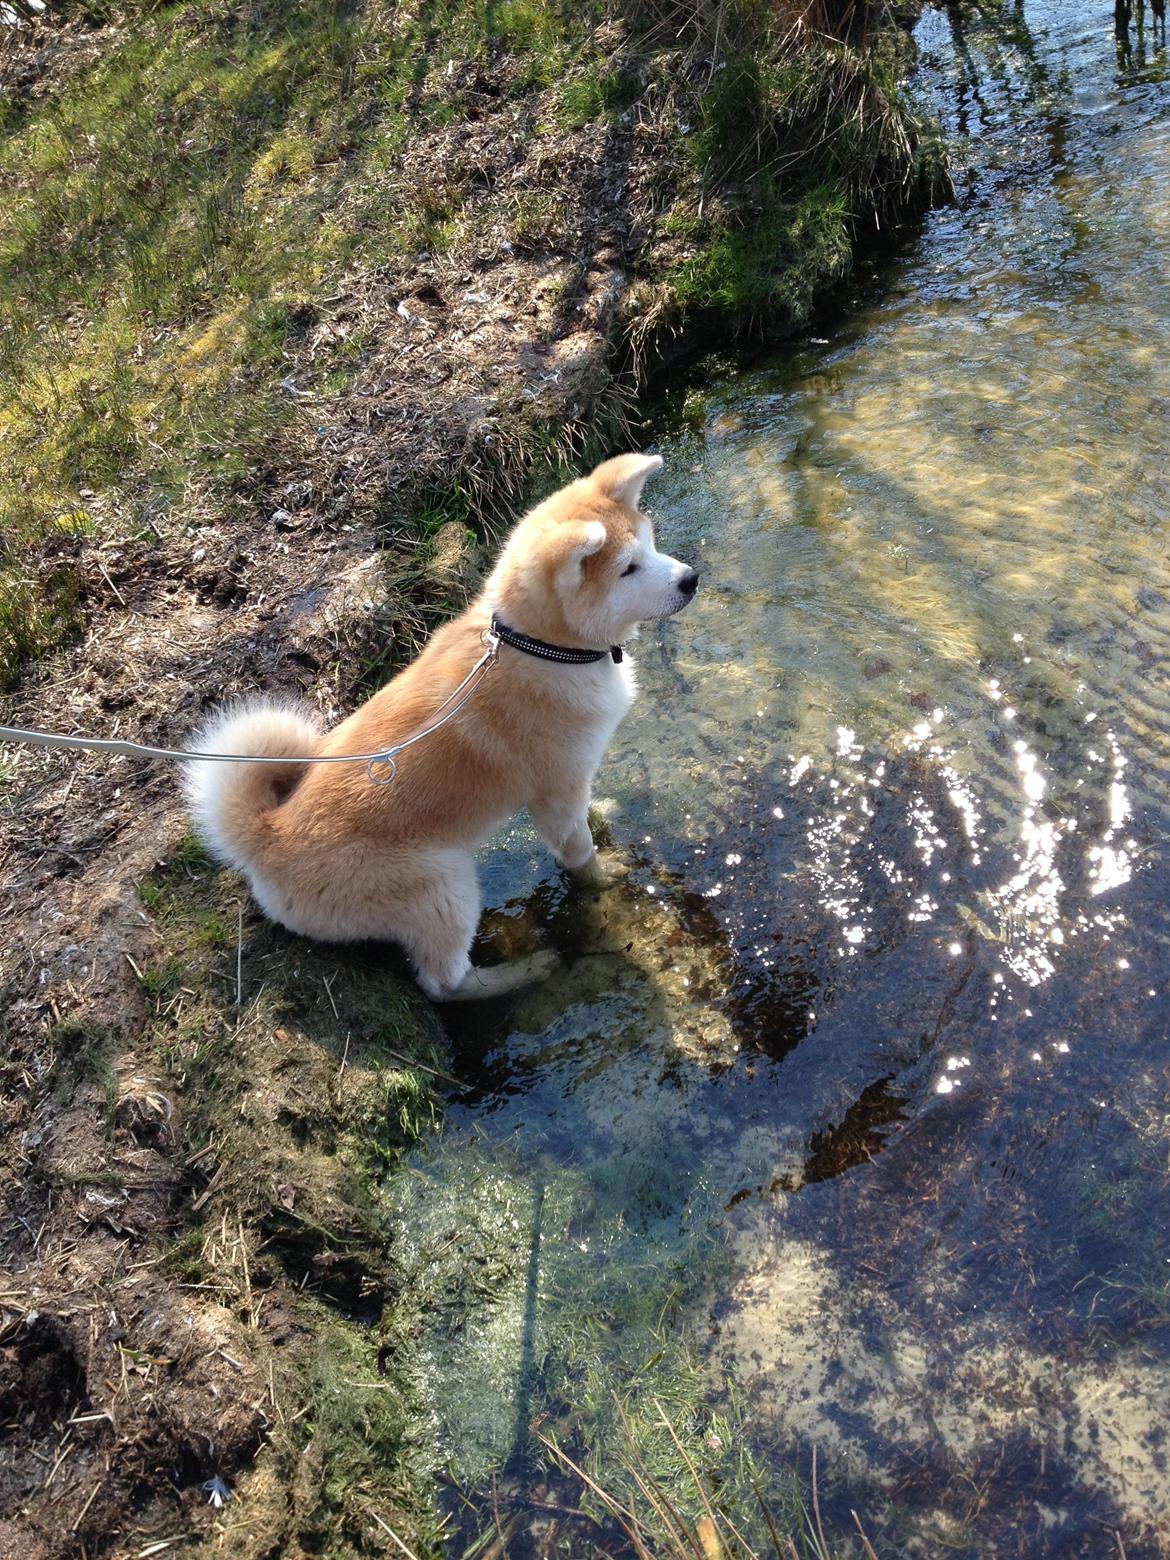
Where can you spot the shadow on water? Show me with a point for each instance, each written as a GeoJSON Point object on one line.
{"type": "Point", "coordinates": [844, 1126]}
{"type": "Point", "coordinates": [1147, 43]}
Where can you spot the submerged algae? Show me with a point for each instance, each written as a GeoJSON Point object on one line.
{"type": "Point", "coordinates": [556, 1308]}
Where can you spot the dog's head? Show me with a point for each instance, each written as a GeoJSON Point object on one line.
{"type": "Point", "coordinates": [582, 568]}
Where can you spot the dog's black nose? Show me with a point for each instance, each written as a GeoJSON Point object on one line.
{"type": "Point", "coordinates": [689, 583]}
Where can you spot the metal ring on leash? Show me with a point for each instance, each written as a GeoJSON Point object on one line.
{"type": "Point", "coordinates": [383, 758]}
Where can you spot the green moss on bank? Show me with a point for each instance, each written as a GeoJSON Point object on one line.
{"type": "Point", "coordinates": [301, 1075]}
{"type": "Point", "coordinates": [810, 139]}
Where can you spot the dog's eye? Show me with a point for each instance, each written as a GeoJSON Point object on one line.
{"type": "Point", "coordinates": [630, 568]}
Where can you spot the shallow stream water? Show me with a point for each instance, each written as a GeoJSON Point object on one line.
{"type": "Point", "coordinates": [847, 1125]}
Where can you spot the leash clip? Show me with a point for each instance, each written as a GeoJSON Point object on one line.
{"type": "Point", "coordinates": [375, 763]}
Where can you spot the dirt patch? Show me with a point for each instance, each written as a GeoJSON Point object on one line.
{"type": "Point", "coordinates": [37, 58]}
{"type": "Point", "coordinates": [187, 1209]}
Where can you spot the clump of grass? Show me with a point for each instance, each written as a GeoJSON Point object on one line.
{"type": "Point", "coordinates": [431, 215]}
{"type": "Point", "coordinates": [82, 1055]}
{"type": "Point", "coordinates": [774, 263]}
{"type": "Point", "coordinates": [189, 857]}
{"type": "Point", "coordinates": [598, 92]}
{"type": "Point", "coordinates": [361, 1429]}
{"type": "Point", "coordinates": [659, 1524]}
{"type": "Point", "coordinates": [159, 983]}
{"type": "Point", "coordinates": [537, 220]}
{"type": "Point", "coordinates": [808, 135]}
{"type": "Point", "coordinates": [39, 612]}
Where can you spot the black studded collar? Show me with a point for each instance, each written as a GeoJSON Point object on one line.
{"type": "Point", "coordinates": [545, 652]}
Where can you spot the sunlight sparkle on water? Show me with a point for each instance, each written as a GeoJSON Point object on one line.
{"type": "Point", "coordinates": [1111, 867]}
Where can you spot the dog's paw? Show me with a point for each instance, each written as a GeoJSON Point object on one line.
{"type": "Point", "coordinates": [535, 968]}
{"type": "Point", "coordinates": [498, 980]}
{"type": "Point", "coordinates": [604, 869]}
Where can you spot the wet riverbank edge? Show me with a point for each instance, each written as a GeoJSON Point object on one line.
{"type": "Point", "coordinates": [297, 313]}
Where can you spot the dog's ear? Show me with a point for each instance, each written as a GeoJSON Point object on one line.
{"type": "Point", "coordinates": [583, 538]}
{"type": "Point", "coordinates": [623, 477]}
{"type": "Point", "coordinates": [575, 541]}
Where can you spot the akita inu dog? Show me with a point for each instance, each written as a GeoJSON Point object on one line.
{"type": "Point", "coordinates": [333, 856]}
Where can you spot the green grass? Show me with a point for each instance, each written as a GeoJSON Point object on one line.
{"type": "Point", "coordinates": [775, 263]}
{"type": "Point", "coordinates": [819, 144]}
{"type": "Point", "coordinates": [598, 92]}
{"type": "Point", "coordinates": [39, 610]}
{"type": "Point", "coordinates": [363, 1429]}
{"type": "Point", "coordinates": [159, 982]}
{"type": "Point", "coordinates": [82, 1056]}
{"type": "Point", "coordinates": [170, 218]}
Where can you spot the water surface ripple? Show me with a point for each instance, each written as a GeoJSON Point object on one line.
{"type": "Point", "coordinates": [871, 1051]}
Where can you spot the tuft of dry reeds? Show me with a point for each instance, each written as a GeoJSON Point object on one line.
{"type": "Point", "coordinates": [657, 1527]}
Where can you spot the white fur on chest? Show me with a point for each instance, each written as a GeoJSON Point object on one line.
{"type": "Point", "coordinates": [601, 692]}
{"type": "Point", "coordinates": [611, 701]}
{"type": "Point", "coordinates": [588, 705]}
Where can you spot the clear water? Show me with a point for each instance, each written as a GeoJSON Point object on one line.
{"type": "Point", "coordinates": [853, 1104]}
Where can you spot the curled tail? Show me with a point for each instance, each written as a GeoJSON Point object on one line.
{"type": "Point", "coordinates": [230, 803]}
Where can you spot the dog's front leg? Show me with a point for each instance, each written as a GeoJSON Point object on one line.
{"type": "Point", "coordinates": [563, 824]}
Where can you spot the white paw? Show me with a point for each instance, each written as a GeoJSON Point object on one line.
{"type": "Point", "coordinates": [497, 980]}
{"type": "Point", "coordinates": [604, 869]}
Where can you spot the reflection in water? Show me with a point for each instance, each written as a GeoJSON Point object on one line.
{"type": "Point", "coordinates": [852, 1099]}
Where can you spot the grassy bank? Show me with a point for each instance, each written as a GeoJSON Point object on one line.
{"type": "Point", "coordinates": [298, 304]}
{"type": "Point", "coordinates": [222, 221]}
